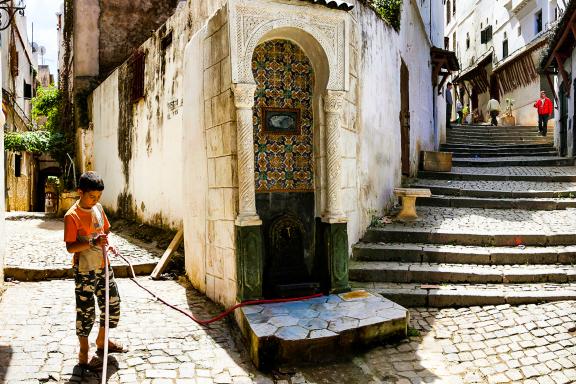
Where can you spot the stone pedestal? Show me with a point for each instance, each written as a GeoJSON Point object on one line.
{"type": "Point", "coordinates": [319, 328]}
{"type": "Point", "coordinates": [249, 262]}
{"type": "Point", "coordinates": [437, 161]}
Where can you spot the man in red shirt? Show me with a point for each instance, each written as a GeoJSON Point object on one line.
{"type": "Point", "coordinates": [544, 106]}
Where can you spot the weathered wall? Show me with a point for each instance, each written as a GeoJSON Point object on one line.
{"type": "Point", "coordinates": [138, 147]}
{"type": "Point", "coordinates": [379, 149]}
{"type": "Point", "coordinates": [18, 192]}
{"type": "Point", "coordinates": [2, 207]}
{"type": "Point", "coordinates": [86, 35]}
{"type": "Point", "coordinates": [125, 25]}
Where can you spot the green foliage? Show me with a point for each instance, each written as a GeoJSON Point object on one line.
{"type": "Point", "coordinates": [389, 10]}
{"type": "Point", "coordinates": [46, 104]}
{"type": "Point", "coordinates": [28, 141]}
{"type": "Point", "coordinates": [412, 332]}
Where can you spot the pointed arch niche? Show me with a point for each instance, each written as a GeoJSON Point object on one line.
{"type": "Point", "coordinates": [322, 34]}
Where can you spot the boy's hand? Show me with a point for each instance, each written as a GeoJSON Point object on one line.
{"type": "Point", "coordinates": [100, 240]}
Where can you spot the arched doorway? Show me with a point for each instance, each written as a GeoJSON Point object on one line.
{"type": "Point", "coordinates": [40, 198]}
{"type": "Point", "coordinates": [284, 166]}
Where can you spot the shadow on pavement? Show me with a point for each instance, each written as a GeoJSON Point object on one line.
{"type": "Point", "coordinates": [87, 376]}
{"type": "Point", "coordinates": [5, 358]}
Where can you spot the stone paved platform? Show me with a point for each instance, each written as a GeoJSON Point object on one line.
{"type": "Point", "coordinates": [518, 171]}
{"type": "Point", "coordinates": [489, 221]}
{"type": "Point", "coordinates": [322, 326]}
{"type": "Point", "coordinates": [36, 249]}
{"type": "Point", "coordinates": [503, 186]}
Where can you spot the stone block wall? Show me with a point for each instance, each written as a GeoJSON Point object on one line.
{"type": "Point", "coordinates": [220, 125]}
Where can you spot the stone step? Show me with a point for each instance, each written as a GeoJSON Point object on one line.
{"type": "Point", "coordinates": [469, 295]}
{"type": "Point", "coordinates": [516, 161]}
{"type": "Point", "coordinates": [467, 173]}
{"type": "Point", "coordinates": [449, 147]}
{"type": "Point", "coordinates": [537, 204]}
{"type": "Point", "coordinates": [488, 126]}
{"type": "Point", "coordinates": [497, 141]}
{"type": "Point", "coordinates": [469, 238]}
{"type": "Point", "coordinates": [434, 273]}
{"type": "Point", "coordinates": [495, 131]}
{"type": "Point", "coordinates": [484, 227]}
{"type": "Point", "coordinates": [458, 254]}
{"type": "Point", "coordinates": [493, 139]}
{"type": "Point", "coordinates": [496, 189]}
{"type": "Point", "coordinates": [501, 135]}
{"type": "Point", "coordinates": [459, 153]}
{"type": "Point", "coordinates": [41, 274]}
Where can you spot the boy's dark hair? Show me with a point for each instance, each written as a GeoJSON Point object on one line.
{"type": "Point", "coordinates": [449, 83]}
{"type": "Point", "coordinates": [90, 181]}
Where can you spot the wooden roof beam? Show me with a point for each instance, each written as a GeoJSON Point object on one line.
{"type": "Point", "coordinates": [565, 34]}
{"type": "Point", "coordinates": [560, 59]}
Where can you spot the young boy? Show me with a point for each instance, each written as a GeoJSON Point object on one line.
{"type": "Point", "coordinates": [85, 232]}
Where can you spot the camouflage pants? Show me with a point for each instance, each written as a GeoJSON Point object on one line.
{"type": "Point", "coordinates": [89, 284]}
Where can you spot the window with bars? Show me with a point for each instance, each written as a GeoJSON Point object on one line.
{"type": "Point", "coordinates": [448, 12]}
{"type": "Point", "coordinates": [137, 67]}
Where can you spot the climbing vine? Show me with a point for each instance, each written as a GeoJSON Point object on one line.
{"type": "Point", "coordinates": [389, 10]}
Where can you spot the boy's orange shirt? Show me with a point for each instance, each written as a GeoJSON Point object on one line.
{"type": "Point", "coordinates": [84, 224]}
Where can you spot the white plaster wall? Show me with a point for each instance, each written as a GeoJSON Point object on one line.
{"type": "Point", "coordinates": [195, 193]}
{"type": "Point", "coordinates": [104, 102]}
{"type": "Point", "coordinates": [155, 167]}
{"type": "Point", "coordinates": [379, 150]}
{"type": "Point", "coordinates": [523, 109]}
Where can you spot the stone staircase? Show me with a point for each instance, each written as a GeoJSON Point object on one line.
{"type": "Point", "coordinates": [500, 228]}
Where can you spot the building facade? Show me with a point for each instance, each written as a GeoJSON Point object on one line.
{"type": "Point", "coordinates": [499, 44]}
{"type": "Point", "coordinates": [559, 64]}
{"type": "Point", "coordinates": [272, 131]}
{"type": "Point", "coordinates": [18, 83]}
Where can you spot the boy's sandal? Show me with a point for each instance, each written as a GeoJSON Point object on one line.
{"type": "Point", "coordinates": [113, 347]}
{"type": "Point", "coordinates": [95, 364]}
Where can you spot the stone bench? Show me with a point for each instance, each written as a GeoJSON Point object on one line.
{"type": "Point", "coordinates": [409, 195]}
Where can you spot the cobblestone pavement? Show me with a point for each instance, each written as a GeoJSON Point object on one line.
{"type": "Point", "coordinates": [37, 242]}
{"type": "Point", "coordinates": [524, 344]}
{"type": "Point", "coordinates": [38, 342]}
{"type": "Point", "coordinates": [490, 221]}
{"type": "Point", "coordinates": [517, 171]}
{"type": "Point", "coordinates": [504, 186]}
{"type": "Point", "coordinates": [503, 344]}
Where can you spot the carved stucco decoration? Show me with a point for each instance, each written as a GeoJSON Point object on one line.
{"type": "Point", "coordinates": [250, 20]}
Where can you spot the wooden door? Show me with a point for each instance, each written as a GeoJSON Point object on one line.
{"type": "Point", "coordinates": [405, 118]}
{"type": "Point", "coordinates": [563, 122]}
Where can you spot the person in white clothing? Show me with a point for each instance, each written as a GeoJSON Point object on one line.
{"type": "Point", "coordinates": [494, 109]}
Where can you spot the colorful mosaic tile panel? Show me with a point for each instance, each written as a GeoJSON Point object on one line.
{"type": "Point", "coordinates": [285, 79]}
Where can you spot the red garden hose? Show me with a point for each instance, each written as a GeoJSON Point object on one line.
{"type": "Point", "coordinates": [220, 316]}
